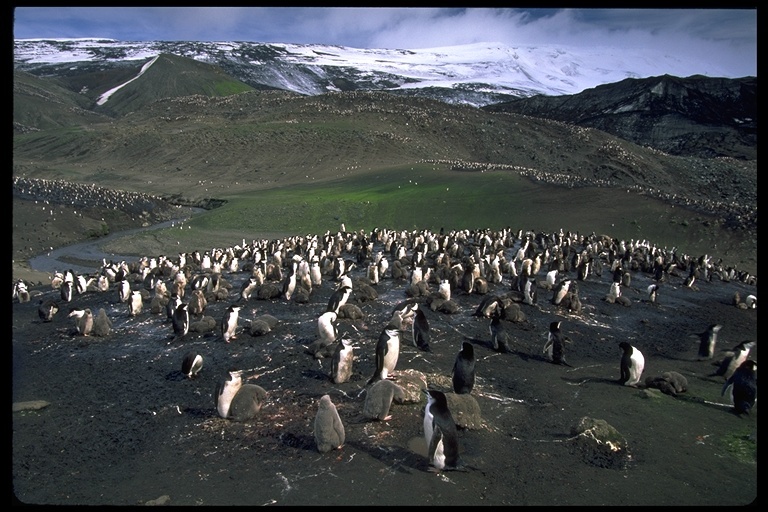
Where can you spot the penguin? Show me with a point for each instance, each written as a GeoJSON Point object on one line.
{"type": "Point", "coordinates": [632, 364]}
{"type": "Point", "coordinates": [751, 301]}
{"type": "Point", "coordinates": [124, 290]}
{"type": "Point", "coordinates": [66, 291]}
{"type": "Point", "coordinates": [339, 298]}
{"type": "Point", "coordinates": [488, 306]}
{"type": "Point", "coordinates": [83, 320]}
{"type": "Point", "coordinates": [530, 294]}
{"type": "Point", "coordinates": [498, 334]}
{"type": "Point", "coordinates": [420, 329]}
{"type": "Point", "coordinates": [561, 290]}
{"type": "Point", "coordinates": [229, 322]}
{"type": "Point", "coordinates": [173, 303]}
{"type": "Point", "coordinates": [708, 339]}
{"type": "Point", "coordinates": [440, 433]}
{"type": "Point", "coordinates": [197, 303]}
{"type": "Point", "coordinates": [653, 293]}
{"type": "Point", "coordinates": [136, 303]}
{"type": "Point", "coordinates": [734, 358]}
{"type": "Point", "coordinates": [47, 309]}
{"type": "Point", "coordinates": [326, 328]}
{"type": "Point", "coordinates": [463, 378]}
{"type": "Point", "coordinates": [191, 364]}
{"type": "Point", "coordinates": [743, 387]}
{"type": "Point", "coordinates": [181, 320]}
{"type": "Point", "coordinates": [21, 292]}
{"type": "Point", "coordinates": [554, 347]}
{"type": "Point", "coordinates": [387, 350]}
{"type": "Point", "coordinates": [238, 401]}
{"type": "Point", "coordinates": [289, 281]}
{"type": "Point", "coordinates": [328, 428]}
{"type": "Point", "coordinates": [379, 397]}
{"type": "Point", "coordinates": [102, 325]}
{"type": "Point", "coordinates": [341, 364]}
{"type": "Point", "coordinates": [249, 288]}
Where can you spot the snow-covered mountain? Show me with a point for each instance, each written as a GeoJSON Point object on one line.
{"type": "Point", "coordinates": [477, 74]}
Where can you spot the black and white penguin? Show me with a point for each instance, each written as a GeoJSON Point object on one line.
{"type": "Point", "coordinates": [289, 281]}
{"type": "Point", "coordinates": [632, 364]}
{"type": "Point", "coordinates": [66, 291]}
{"type": "Point", "coordinates": [742, 387]}
{"type": "Point", "coordinates": [733, 359]}
{"type": "Point", "coordinates": [20, 291]}
{"type": "Point", "coordinates": [379, 397]}
{"type": "Point", "coordinates": [238, 401]}
{"type": "Point", "coordinates": [653, 293]}
{"type": "Point", "coordinates": [440, 433]}
{"type": "Point", "coordinates": [328, 428]}
{"type": "Point", "coordinates": [124, 290]}
{"type": "Point", "coordinates": [530, 293]}
{"type": "Point", "coordinates": [181, 320]}
{"type": "Point", "coordinates": [554, 347]}
{"type": "Point", "coordinates": [341, 364]}
{"type": "Point", "coordinates": [136, 303]}
{"type": "Point", "coordinates": [498, 334]}
{"type": "Point", "coordinates": [83, 320]}
{"type": "Point", "coordinates": [249, 288]}
{"type": "Point", "coordinates": [326, 328]}
{"type": "Point", "coordinates": [420, 329]}
{"type": "Point", "coordinates": [339, 298]}
{"type": "Point", "coordinates": [708, 338]}
{"type": "Point", "coordinates": [387, 350]}
{"type": "Point", "coordinates": [191, 364]}
{"type": "Point", "coordinates": [170, 308]}
{"type": "Point", "coordinates": [229, 322]}
{"type": "Point", "coordinates": [561, 290]}
{"type": "Point", "coordinates": [47, 309]}
{"type": "Point", "coordinates": [463, 374]}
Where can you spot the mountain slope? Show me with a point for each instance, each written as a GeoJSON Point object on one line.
{"type": "Point", "coordinates": [700, 116]}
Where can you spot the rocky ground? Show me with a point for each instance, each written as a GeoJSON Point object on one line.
{"type": "Point", "coordinates": [112, 421]}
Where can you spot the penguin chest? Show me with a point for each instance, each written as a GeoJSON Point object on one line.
{"type": "Point", "coordinates": [226, 396]}
{"type": "Point", "coordinates": [392, 354]}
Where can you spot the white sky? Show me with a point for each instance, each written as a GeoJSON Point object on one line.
{"type": "Point", "coordinates": [725, 37]}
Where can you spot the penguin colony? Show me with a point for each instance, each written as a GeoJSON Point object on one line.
{"type": "Point", "coordinates": [435, 268]}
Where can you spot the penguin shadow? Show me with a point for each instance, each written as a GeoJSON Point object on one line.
{"type": "Point", "coordinates": [397, 458]}
{"type": "Point", "coordinates": [485, 344]}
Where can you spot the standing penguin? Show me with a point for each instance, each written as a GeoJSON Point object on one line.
{"type": "Point", "coordinates": [83, 320]}
{"type": "Point", "coordinates": [339, 298]}
{"type": "Point", "coordinates": [632, 364]}
{"type": "Point", "coordinates": [743, 387]}
{"type": "Point", "coordinates": [229, 322]}
{"type": "Point", "coordinates": [136, 303]}
{"type": "Point", "coordinates": [379, 397]}
{"type": "Point", "coordinates": [498, 333]}
{"type": "Point", "coordinates": [191, 364]}
{"type": "Point", "coordinates": [440, 433]}
{"type": "Point", "coordinates": [102, 325]}
{"type": "Point", "coordinates": [708, 339]}
{"type": "Point", "coordinates": [124, 290]}
{"type": "Point", "coordinates": [463, 375]}
{"type": "Point", "coordinates": [197, 303]}
{"type": "Point", "coordinates": [170, 308]}
{"type": "Point", "coordinates": [561, 290]}
{"type": "Point", "coordinates": [387, 350]}
{"type": "Point", "coordinates": [341, 364]}
{"type": "Point", "coordinates": [420, 329]}
{"type": "Point", "coordinates": [653, 293]}
{"type": "Point", "coordinates": [734, 358]}
{"type": "Point", "coordinates": [554, 347]}
{"type": "Point", "coordinates": [328, 429]}
{"type": "Point", "coordinates": [181, 321]}
{"type": "Point", "coordinates": [66, 291]}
